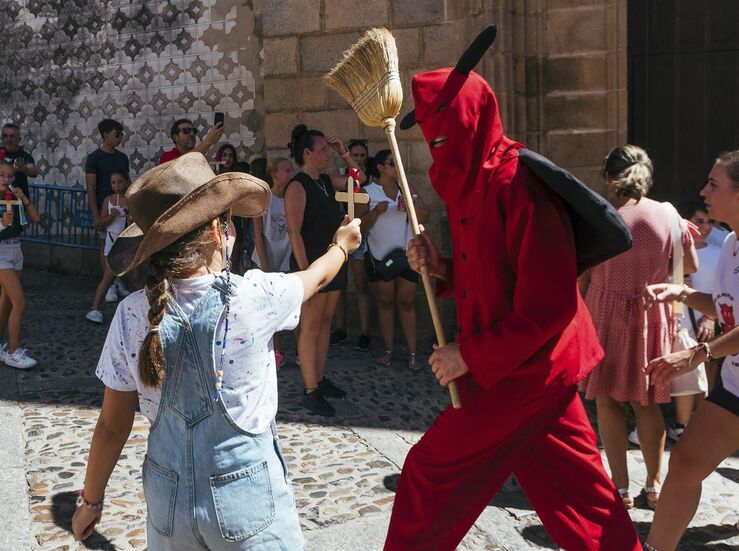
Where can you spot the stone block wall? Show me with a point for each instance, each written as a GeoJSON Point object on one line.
{"type": "Point", "coordinates": [67, 65]}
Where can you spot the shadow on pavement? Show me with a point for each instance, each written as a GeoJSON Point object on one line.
{"type": "Point", "coordinates": [62, 509]}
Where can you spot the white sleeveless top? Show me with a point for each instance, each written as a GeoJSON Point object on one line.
{"type": "Point", "coordinates": [276, 240]}
{"type": "Point", "coordinates": [391, 230]}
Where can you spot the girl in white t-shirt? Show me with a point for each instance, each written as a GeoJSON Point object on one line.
{"type": "Point", "coordinates": [271, 242]}
{"type": "Point", "coordinates": [385, 224]}
{"type": "Point", "coordinates": [713, 432]}
{"type": "Point", "coordinates": [194, 351]}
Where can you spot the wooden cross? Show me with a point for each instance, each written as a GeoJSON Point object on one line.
{"type": "Point", "coordinates": [349, 196]}
{"type": "Point", "coordinates": [8, 202]}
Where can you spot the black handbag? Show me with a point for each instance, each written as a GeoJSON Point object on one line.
{"type": "Point", "coordinates": [390, 267]}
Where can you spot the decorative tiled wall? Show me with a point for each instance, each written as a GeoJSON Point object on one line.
{"type": "Point", "coordinates": [65, 65]}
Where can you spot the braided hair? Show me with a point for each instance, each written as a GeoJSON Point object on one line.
{"type": "Point", "coordinates": [177, 261]}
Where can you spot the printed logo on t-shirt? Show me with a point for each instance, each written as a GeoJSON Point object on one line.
{"type": "Point", "coordinates": [726, 309]}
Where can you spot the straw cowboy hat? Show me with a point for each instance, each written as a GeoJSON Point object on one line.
{"type": "Point", "coordinates": [177, 197]}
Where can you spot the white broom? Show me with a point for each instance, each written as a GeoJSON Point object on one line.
{"type": "Point", "coordinates": [368, 78]}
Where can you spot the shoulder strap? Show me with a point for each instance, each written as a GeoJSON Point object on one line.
{"type": "Point", "coordinates": [678, 268]}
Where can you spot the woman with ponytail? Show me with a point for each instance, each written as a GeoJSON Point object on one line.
{"type": "Point", "coordinates": [313, 214]}
{"type": "Point", "coordinates": [630, 334]}
{"type": "Point", "coordinates": [194, 351]}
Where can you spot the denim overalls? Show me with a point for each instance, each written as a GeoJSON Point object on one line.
{"type": "Point", "coordinates": [208, 484]}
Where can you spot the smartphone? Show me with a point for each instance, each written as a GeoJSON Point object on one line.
{"type": "Point", "coordinates": [219, 118]}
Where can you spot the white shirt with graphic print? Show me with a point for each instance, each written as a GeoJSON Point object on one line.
{"type": "Point", "coordinates": [262, 305]}
{"type": "Point", "coordinates": [726, 299]}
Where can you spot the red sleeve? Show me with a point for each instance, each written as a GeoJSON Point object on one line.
{"type": "Point", "coordinates": [446, 288]}
{"type": "Point", "coordinates": [541, 250]}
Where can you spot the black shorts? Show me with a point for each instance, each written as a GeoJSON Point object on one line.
{"type": "Point", "coordinates": [338, 283]}
{"type": "Point", "coordinates": [723, 398]}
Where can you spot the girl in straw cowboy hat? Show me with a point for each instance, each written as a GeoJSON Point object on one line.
{"type": "Point", "coordinates": [194, 350]}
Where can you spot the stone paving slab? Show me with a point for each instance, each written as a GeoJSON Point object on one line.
{"type": "Point", "coordinates": [341, 468]}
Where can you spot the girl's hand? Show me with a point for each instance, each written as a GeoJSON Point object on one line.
{"type": "Point", "coordinates": [348, 235]}
{"type": "Point", "coordinates": [662, 370]}
{"type": "Point", "coordinates": [337, 144]}
{"type": "Point", "coordinates": [381, 207]}
{"type": "Point", "coordinates": [662, 292]}
{"type": "Point", "coordinates": [706, 329]}
{"type": "Point", "coordinates": [7, 219]}
{"type": "Point", "coordinates": [83, 522]}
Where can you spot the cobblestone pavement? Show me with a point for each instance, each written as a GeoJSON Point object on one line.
{"type": "Point", "coordinates": [342, 472]}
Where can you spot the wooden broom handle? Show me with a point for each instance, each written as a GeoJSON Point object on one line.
{"type": "Point", "coordinates": [389, 127]}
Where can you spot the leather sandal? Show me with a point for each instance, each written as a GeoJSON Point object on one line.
{"type": "Point", "coordinates": [386, 359]}
{"type": "Point", "coordinates": [413, 365]}
{"type": "Point", "coordinates": [626, 498]}
{"type": "Point", "coordinates": [651, 494]}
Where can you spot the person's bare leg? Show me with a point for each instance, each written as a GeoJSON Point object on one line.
{"type": "Point", "coordinates": [340, 317]}
{"type": "Point", "coordinates": [405, 292]}
{"type": "Point", "coordinates": [612, 430]}
{"type": "Point", "coordinates": [711, 436]}
{"type": "Point", "coordinates": [685, 406]}
{"type": "Point", "coordinates": [361, 285]}
{"type": "Point", "coordinates": [4, 311]}
{"type": "Point", "coordinates": [650, 425]}
{"type": "Point", "coordinates": [310, 329]}
{"type": "Point", "coordinates": [324, 337]}
{"type": "Point", "coordinates": [102, 288]}
{"type": "Point", "coordinates": [11, 283]}
{"type": "Point", "coordinates": [386, 312]}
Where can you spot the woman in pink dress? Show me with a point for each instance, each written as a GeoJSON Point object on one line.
{"type": "Point", "coordinates": [630, 334]}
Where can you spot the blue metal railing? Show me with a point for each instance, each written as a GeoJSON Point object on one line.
{"type": "Point", "coordinates": [66, 219]}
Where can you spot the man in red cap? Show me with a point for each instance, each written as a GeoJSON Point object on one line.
{"type": "Point", "coordinates": [524, 339]}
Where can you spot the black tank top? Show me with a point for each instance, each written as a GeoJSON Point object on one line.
{"type": "Point", "coordinates": [321, 218]}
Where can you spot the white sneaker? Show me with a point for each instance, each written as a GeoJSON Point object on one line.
{"type": "Point", "coordinates": [3, 351]}
{"type": "Point", "coordinates": [675, 432]}
{"type": "Point", "coordinates": [120, 288]}
{"type": "Point", "coordinates": [20, 359]}
{"type": "Point", "coordinates": [112, 294]}
{"type": "Point", "coordinates": [95, 316]}
{"type": "Point", "coordinates": [634, 438]}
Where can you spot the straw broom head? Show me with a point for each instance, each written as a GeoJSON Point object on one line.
{"type": "Point", "coordinates": [367, 77]}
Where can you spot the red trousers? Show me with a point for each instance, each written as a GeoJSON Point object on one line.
{"type": "Point", "coordinates": [544, 438]}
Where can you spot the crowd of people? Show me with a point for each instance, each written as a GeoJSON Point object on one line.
{"type": "Point", "coordinates": [302, 220]}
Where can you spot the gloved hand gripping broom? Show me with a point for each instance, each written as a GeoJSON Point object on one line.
{"type": "Point", "coordinates": [368, 79]}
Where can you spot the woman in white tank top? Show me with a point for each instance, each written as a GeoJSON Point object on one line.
{"type": "Point", "coordinates": [387, 229]}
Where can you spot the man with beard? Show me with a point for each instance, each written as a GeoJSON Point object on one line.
{"type": "Point", "coordinates": [524, 339]}
{"type": "Point", "coordinates": [183, 134]}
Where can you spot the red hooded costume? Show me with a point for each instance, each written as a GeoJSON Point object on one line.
{"type": "Point", "coordinates": [525, 335]}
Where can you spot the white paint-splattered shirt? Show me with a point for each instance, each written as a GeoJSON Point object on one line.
{"type": "Point", "coordinates": [261, 305]}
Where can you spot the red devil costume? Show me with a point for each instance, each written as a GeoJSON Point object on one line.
{"type": "Point", "coordinates": [523, 332]}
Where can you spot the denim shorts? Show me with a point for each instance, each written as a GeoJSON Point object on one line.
{"type": "Point", "coordinates": [11, 255]}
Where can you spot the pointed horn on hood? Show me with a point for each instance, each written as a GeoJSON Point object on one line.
{"type": "Point", "coordinates": [471, 57]}
{"type": "Point", "coordinates": [473, 54]}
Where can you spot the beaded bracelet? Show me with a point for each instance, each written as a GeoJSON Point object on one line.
{"type": "Point", "coordinates": [94, 507]}
{"type": "Point", "coordinates": [343, 250]}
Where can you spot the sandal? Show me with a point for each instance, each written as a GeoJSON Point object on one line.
{"type": "Point", "coordinates": [626, 498]}
{"type": "Point", "coordinates": [386, 359]}
{"type": "Point", "coordinates": [651, 494]}
{"type": "Point", "coordinates": [413, 365]}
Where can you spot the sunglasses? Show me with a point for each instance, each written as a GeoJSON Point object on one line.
{"type": "Point", "coordinates": [190, 130]}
